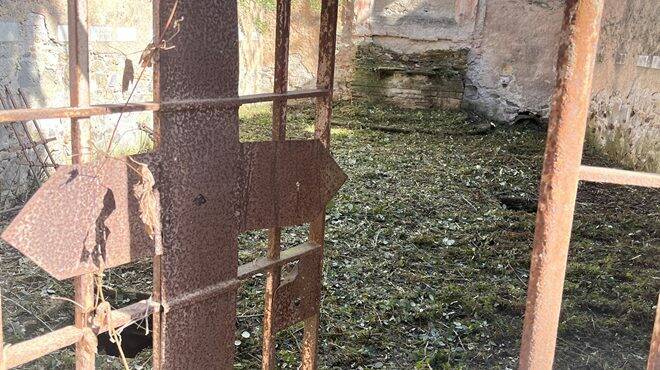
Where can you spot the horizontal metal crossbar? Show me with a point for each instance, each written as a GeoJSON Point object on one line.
{"type": "Point", "coordinates": [13, 115]}
{"type": "Point", "coordinates": [30, 350]}
{"type": "Point", "coordinates": [620, 177]}
{"type": "Point", "coordinates": [288, 255]}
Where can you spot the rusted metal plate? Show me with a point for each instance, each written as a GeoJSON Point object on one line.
{"type": "Point", "coordinates": [298, 296]}
{"type": "Point", "coordinates": [305, 178]}
{"type": "Point", "coordinates": [87, 217]}
{"type": "Point", "coordinates": [84, 218]}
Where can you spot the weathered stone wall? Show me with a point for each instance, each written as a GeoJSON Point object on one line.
{"type": "Point", "coordinates": [625, 119]}
{"type": "Point", "coordinates": [34, 57]}
{"type": "Point", "coordinates": [421, 80]}
{"type": "Point", "coordinates": [511, 65]}
{"type": "Point", "coordinates": [513, 57]}
{"type": "Point", "coordinates": [412, 53]}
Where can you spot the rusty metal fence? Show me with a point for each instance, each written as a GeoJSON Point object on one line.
{"type": "Point", "coordinates": [562, 171]}
{"type": "Point", "coordinates": [88, 216]}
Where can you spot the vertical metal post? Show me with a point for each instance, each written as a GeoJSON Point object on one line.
{"type": "Point", "coordinates": [559, 181]}
{"type": "Point", "coordinates": [79, 97]}
{"type": "Point", "coordinates": [198, 176]}
{"type": "Point", "coordinates": [278, 134]}
{"type": "Point", "coordinates": [324, 80]}
{"type": "Point", "coordinates": [654, 353]}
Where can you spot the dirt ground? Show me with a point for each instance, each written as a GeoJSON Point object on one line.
{"type": "Point", "coordinates": [427, 255]}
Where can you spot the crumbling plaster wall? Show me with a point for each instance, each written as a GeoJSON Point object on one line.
{"type": "Point", "coordinates": [625, 107]}
{"type": "Point", "coordinates": [34, 57]}
{"type": "Point", "coordinates": [512, 58]}
{"type": "Point", "coordinates": [256, 20]}
{"type": "Point", "coordinates": [413, 26]}
{"type": "Point", "coordinates": [511, 69]}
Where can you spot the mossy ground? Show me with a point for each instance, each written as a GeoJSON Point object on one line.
{"type": "Point", "coordinates": [424, 267]}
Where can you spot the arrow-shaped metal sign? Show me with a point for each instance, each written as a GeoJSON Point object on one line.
{"type": "Point", "coordinates": [88, 217]}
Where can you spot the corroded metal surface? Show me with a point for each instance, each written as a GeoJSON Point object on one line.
{"type": "Point", "coordinates": [280, 85]}
{"type": "Point", "coordinates": [324, 80]}
{"type": "Point", "coordinates": [298, 296]}
{"type": "Point", "coordinates": [165, 106]}
{"type": "Point", "coordinates": [86, 218]}
{"type": "Point", "coordinates": [198, 184]}
{"type": "Point", "coordinates": [83, 219]}
{"type": "Point", "coordinates": [559, 182]}
{"type": "Point", "coordinates": [209, 188]}
{"type": "Point", "coordinates": [286, 183]}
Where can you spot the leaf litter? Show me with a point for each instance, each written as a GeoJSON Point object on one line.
{"type": "Point", "coordinates": [425, 266]}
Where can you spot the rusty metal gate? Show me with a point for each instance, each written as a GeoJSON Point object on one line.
{"type": "Point", "coordinates": [207, 188]}
{"type": "Point", "coordinates": [562, 170]}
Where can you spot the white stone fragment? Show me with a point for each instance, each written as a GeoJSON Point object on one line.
{"type": "Point", "coordinates": [8, 31]}
{"type": "Point", "coordinates": [644, 61]}
{"type": "Point", "coordinates": [63, 33]}
{"type": "Point", "coordinates": [655, 64]}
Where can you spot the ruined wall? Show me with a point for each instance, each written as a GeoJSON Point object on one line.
{"type": "Point", "coordinates": [419, 80]}
{"type": "Point", "coordinates": [513, 57]}
{"type": "Point", "coordinates": [412, 53]}
{"type": "Point", "coordinates": [257, 44]}
{"type": "Point", "coordinates": [511, 64]}
{"type": "Point", "coordinates": [625, 118]}
{"type": "Point", "coordinates": [34, 57]}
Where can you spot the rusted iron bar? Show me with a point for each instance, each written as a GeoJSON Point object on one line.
{"type": "Point", "coordinates": [654, 353]}
{"type": "Point", "coordinates": [620, 177]}
{"type": "Point", "coordinates": [201, 295]}
{"type": "Point", "coordinates": [324, 80]}
{"type": "Point", "coordinates": [559, 181]}
{"type": "Point", "coordinates": [283, 23]}
{"type": "Point", "coordinates": [167, 106]}
{"type": "Point", "coordinates": [30, 350]}
{"type": "Point", "coordinates": [37, 127]}
{"type": "Point", "coordinates": [289, 255]}
{"type": "Point", "coordinates": [78, 27]}
{"type": "Point", "coordinates": [199, 222]}
{"type": "Point", "coordinates": [21, 353]}
{"type": "Point", "coordinates": [13, 104]}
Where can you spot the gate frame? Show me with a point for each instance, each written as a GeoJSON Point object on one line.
{"type": "Point", "coordinates": [562, 171]}
{"type": "Point", "coordinates": [81, 333]}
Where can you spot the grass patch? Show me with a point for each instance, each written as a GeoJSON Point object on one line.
{"type": "Point", "coordinates": [424, 265]}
